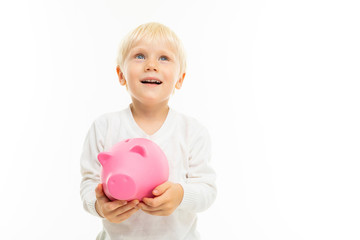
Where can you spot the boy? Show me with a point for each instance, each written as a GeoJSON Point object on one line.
{"type": "Point", "coordinates": [151, 64]}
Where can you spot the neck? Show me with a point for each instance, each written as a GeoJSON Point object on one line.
{"type": "Point", "coordinates": [149, 112]}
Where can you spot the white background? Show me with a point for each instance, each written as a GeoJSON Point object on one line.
{"type": "Point", "coordinates": [275, 82]}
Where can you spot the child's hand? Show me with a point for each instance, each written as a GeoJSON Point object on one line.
{"type": "Point", "coordinates": [168, 197]}
{"type": "Point", "coordinates": [114, 211]}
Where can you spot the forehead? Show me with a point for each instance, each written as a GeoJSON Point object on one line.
{"type": "Point", "coordinates": [158, 45]}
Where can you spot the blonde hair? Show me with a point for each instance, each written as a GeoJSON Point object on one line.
{"type": "Point", "coordinates": [151, 32]}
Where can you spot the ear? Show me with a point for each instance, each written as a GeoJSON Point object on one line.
{"type": "Point", "coordinates": [104, 157]}
{"type": "Point", "coordinates": [121, 76]}
{"type": "Point", "coordinates": [180, 81]}
{"type": "Point", "coordinates": [139, 150]}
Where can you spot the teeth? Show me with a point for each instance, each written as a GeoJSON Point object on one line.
{"type": "Point", "coordinates": [151, 81]}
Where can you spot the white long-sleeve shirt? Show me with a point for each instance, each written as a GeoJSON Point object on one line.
{"type": "Point", "coordinates": [186, 144]}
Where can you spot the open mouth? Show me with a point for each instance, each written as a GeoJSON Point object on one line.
{"type": "Point", "coordinates": [151, 81]}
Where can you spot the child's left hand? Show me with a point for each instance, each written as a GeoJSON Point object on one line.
{"type": "Point", "coordinates": [168, 197]}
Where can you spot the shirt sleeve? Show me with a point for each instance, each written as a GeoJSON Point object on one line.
{"type": "Point", "coordinates": [90, 167]}
{"type": "Point", "coordinates": [199, 188]}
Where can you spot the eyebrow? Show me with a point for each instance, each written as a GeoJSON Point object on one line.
{"type": "Point", "coordinates": [136, 49]}
{"type": "Point", "coordinates": [139, 49]}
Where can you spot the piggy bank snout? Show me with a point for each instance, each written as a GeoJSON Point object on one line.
{"type": "Point", "coordinates": [121, 186]}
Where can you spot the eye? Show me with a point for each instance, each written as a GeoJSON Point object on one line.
{"type": "Point", "coordinates": [139, 56]}
{"type": "Point", "coordinates": [164, 58]}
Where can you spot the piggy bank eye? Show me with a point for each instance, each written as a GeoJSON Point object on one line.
{"type": "Point", "coordinates": [139, 150]}
{"type": "Point", "coordinates": [127, 140]}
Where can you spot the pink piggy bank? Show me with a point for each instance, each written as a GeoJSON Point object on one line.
{"type": "Point", "coordinates": [132, 169]}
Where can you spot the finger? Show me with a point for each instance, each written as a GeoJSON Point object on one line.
{"type": "Point", "coordinates": [122, 209]}
{"type": "Point", "coordinates": [161, 188]}
{"type": "Point", "coordinates": [125, 215]}
{"type": "Point", "coordinates": [148, 208]}
{"type": "Point", "coordinates": [112, 206]}
{"type": "Point", "coordinates": [154, 202]}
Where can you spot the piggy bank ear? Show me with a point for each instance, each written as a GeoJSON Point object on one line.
{"type": "Point", "coordinates": [104, 157]}
{"type": "Point", "coordinates": [139, 150]}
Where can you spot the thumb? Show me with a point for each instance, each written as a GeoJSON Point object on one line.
{"type": "Point", "coordinates": [161, 188]}
{"type": "Point", "coordinates": [99, 191]}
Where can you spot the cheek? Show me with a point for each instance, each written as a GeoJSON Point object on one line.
{"type": "Point", "coordinates": [133, 70]}
{"type": "Point", "coordinates": [172, 74]}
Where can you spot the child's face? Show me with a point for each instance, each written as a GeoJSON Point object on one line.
{"type": "Point", "coordinates": [149, 61]}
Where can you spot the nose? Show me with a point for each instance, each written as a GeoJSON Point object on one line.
{"type": "Point", "coordinates": [122, 187]}
{"type": "Point", "coordinates": [151, 65]}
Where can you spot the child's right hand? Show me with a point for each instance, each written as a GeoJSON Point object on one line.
{"type": "Point", "coordinates": [114, 211]}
